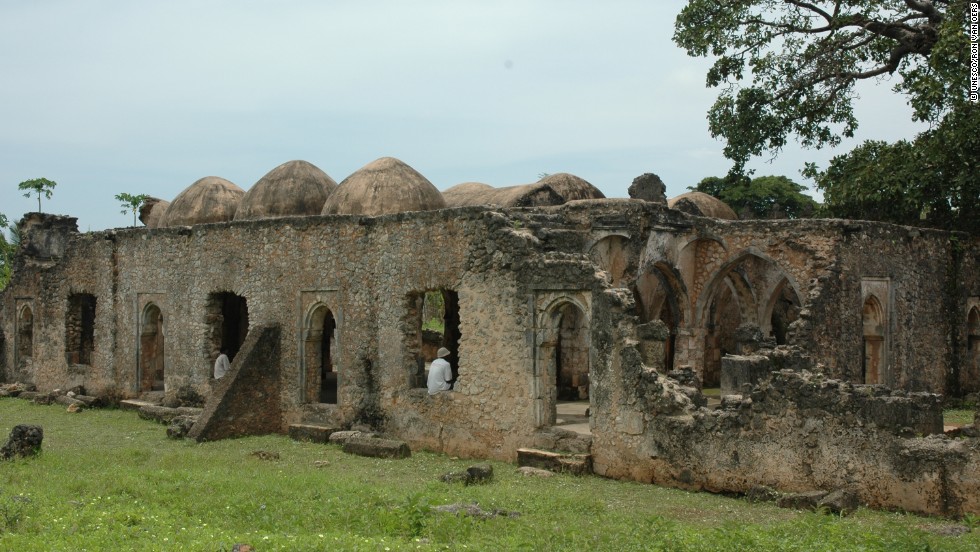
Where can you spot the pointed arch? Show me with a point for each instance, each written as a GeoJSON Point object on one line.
{"type": "Point", "coordinates": [873, 322]}
{"type": "Point", "coordinates": [782, 309]}
{"type": "Point", "coordinates": [972, 372]}
{"type": "Point", "coordinates": [25, 334]}
{"type": "Point", "coordinates": [151, 369]}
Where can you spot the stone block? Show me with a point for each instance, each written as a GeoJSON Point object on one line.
{"type": "Point", "coordinates": [376, 448]}
{"type": "Point", "coordinates": [737, 371]}
{"type": "Point", "coordinates": [24, 441]}
{"type": "Point", "coordinates": [841, 501]}
{"type": "Point", "coordinates": [802, 501]}
{"type": "Point", "coordinates": [576, 464]}
{"type": "Point", "coordinates": [311, 433]}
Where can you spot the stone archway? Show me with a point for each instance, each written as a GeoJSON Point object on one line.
{"type": "Point", "coordinates": [152, 365]}
{"type": "Point", "coordinates": [873, 363]}
{"type": "Point", "coordinates": [320, 381]}
{"type": "Point", "coordinates": [563, 359]}
{"type": "Point", "coordinates": [25, 336]}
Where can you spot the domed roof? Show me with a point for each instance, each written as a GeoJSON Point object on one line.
{"type": "Point", "coordinates": [526, 195]}
{"type": "Point", "coordinates": [383, 187]}
{"type": "Point", "coordinates": [702, 205]}
{"type": "Point", "coordinates": [571, 187]}
{"type": "Point", "coordinates": [210, 199]}
{"type": "Point", "coordinates": [295, 188]}
{"type": "Point", "coordinates": [153, 211]}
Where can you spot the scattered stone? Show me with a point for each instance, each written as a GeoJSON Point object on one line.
{"type": "Point", "coordinates": [801, 501]}
{"type": "Point", "coordinates": [180, 426]}
{"type": "Point", "coordinates": [43, 398]}
{"type": "Point", "coordinates": [841, 502]}
{"type": "Point", "coordinates": [240, 547]}
{"type": "Point", "coordinates": [265, 455]}
{"type": "Point", "coordinates": [74, 409]}
{"type": "Point", "coordinates": [479, 474]}
{"type": "Point", "coordinates": [949, 530]}
{"type": "Point", "coordinates": [341, 437]}
{"type": "Point", "coordinates": [165, 415]}
{"type": "Point", "coordinates": [455, 477]}
{"type": "Point", "coordinates": [377, 448]}
{"type": "Point", "coordinates": [528, 471]}
{"type": "Point", "coordinates": [474, 510]}
{"type": "Point", "coordinates": [576, 464]}
{"type": "Point", "coordinates": [321, 463]}
{"type": "Point", "coordinates": [762, 493]}
{"type": "Point", "coordinates": [24, 441]}
{"type": "Point", "coordinates": [311, 433]}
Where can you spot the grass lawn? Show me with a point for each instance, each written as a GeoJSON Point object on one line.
{"type": "Point", "coordinates": [106, 480]}
{"type": "Point", "coordinates": [958, 416]}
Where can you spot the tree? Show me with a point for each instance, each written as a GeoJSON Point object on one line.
{"type": "Point", "coordinates": [7, 250]}
{"type": "Point", "coordinates": [763, 197]}
{"type": "Point", "coordinates": [933, 180]}
{"type": "Point", "coordinates": [131, 203]}
{"type": "Point", "coordinates": [789, 67]}
{"type": "Point", "coordinates": [38, 186]}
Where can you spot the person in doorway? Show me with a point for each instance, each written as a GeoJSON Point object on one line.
{"type": "Point", "coordinates": [440, 373]}
{"type": "Point", "coordinates": [221, 365]}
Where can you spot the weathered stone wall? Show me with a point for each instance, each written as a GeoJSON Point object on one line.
{"type": "Point", "coordinates": [515, 273]}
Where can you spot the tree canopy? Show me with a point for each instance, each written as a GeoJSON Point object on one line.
{"type": "Point", "coordinates": [132, 203]}
{"type": "Point", "coordinates": [763, 197]}
{"type": "Point", "coordinates": [789, 67]}
{"type": "Point", "coordinates": [933, 180]}
{"type": "Point", "coordinates": [39, 186]}
{"type": "Point", "coordinates": [7, 250]}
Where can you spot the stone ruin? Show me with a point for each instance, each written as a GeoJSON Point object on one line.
{"type": "Point", "coordinates": [599, 328]}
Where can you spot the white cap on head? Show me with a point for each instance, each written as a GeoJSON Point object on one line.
{"type": "Point", "coordinates": [443, 352]}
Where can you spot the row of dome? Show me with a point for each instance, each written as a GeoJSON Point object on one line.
{"type": "Point", "coordinates": [384, 186]}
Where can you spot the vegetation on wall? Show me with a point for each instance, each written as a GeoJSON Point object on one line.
{"type": "Point", "coordinates": [131, 203]}
{"type": "Point", "coordinates": [7, 250]}
{"type": "Point", "coordinates": [39, 187]}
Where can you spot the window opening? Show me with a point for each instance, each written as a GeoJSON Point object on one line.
{"type": "Point", "coordinates": [80, 329]}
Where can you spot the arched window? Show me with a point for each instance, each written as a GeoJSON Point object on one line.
{"type": "Point", "coordinates": [152, 365]}
{"type": "Point", "coordinates": [25, 334]}
{"type": "Point", "coordinates": [873, 364]}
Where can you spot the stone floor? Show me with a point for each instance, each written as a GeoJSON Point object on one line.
{"type": "Point", "coordinates": [573, 416]}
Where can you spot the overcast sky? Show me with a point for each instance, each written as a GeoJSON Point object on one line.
{"type": "Point", "coordinates": [106, 97]}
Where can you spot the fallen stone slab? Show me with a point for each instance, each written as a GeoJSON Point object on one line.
{"type": "Point", "coordinates": [24, 441]}
{"type": "Point", "coordinates": [135, 404]}
{"type": "Point", "coordinates": [802, 501]}
{"type": "Point", "coordinates": [762, 493]}
{"type": "Point", "coordinates": [166, 415]}
{"type": "Point", "coordinates": [576, 464]}
{"type": "Point", "coordinates": [474, 510]}
{"type": "Point", "coordinates": [841, 502]}
{"type": "Point", "coordinates": [180, 426]}
{"type": "Point", "coordinates": [311, 433]}
{"type": "Point", "coordinates": [528, 471]}
{"type": "Point", "coordinates": [69, 401]}
{"type": "Point", "coordinates": [27, 395]}
{"type": "Point", "coordinates": [376, 448]}
{"type": "Point", "coordinates": [341, 437]}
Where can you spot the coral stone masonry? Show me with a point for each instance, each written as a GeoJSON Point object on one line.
{"type": "Point", "coordinates": [835, 342]}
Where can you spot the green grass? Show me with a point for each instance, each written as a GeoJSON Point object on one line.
{"type": "Point", "coordinates": [958, 416]}
{"type": "Point", "coordinates": [107, 480]}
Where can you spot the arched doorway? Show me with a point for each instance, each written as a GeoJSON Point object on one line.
{"type": "Point", "coordinates": [152, 367]}
{"type": "Point", "coordinates": [873, 362]}
{"type": "Point", "coordinates": [784, 309]}
{"type": "Point", "coordinates": [563, 363]}
{"type": "Point", "coordinates": [25, 336]}
{"type": "Point", "coordinates": [320, 376]}
{"type": "Point", "coordinates": [660, 296]}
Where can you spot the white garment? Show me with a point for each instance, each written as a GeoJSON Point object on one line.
{"type": "Point", "coordinates": [440, 374]}
{"type": "Point", "coordinates": [221, 366]}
